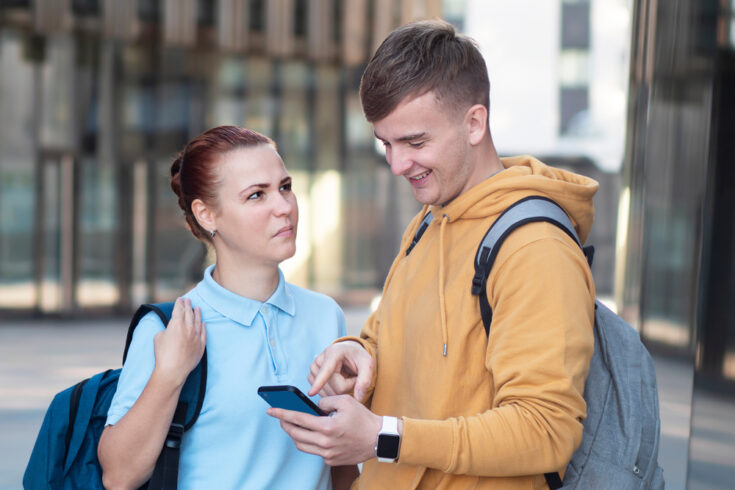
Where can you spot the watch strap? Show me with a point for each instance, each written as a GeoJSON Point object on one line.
{"type": "Point", "coordinates": [389, 431]}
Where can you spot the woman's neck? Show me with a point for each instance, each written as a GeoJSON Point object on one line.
{"type": "Point", "coordinates": [254, 282]}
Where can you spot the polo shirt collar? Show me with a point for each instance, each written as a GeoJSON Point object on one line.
{"type": "Point", "coordinates": [239, 308]}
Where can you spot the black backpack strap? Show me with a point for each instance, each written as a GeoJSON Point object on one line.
{"type": "Point", "coordinates": [76, 395]}
{"type": "Point", "coordinates": [528, 210]}
{"type": "Point", "coordinates": [163, 310]}
{"type": "Point", "coordinates": [422, 228]}
{"type": "Point", "coordinates": [553, 480]}
{"type": "Point", "coordinates": [165, 473]}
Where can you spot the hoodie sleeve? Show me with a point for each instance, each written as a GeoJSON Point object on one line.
{"type": "Point", "coordinates": [538, 355]}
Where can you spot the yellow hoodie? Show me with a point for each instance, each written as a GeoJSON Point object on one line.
{"type": "Point", "coordinates": [488, 414]}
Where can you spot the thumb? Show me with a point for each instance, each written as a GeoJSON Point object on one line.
{"type": "Point", "coordinates": [332, 403]}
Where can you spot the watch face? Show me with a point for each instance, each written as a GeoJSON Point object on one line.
{"type": "Point", "coordinates": [388, 446]}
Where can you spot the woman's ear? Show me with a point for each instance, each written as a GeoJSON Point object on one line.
{"type": "Point", "coordinates": [476, 119]}
{"type": "Point", "coordinates": [203, 214]}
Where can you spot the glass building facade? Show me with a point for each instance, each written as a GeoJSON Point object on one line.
{"type": "Point", "coordinates": [97, 97]}
{"type": "Point", "coordinates": [676, 263]}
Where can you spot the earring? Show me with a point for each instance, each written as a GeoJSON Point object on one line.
{"type": "Point", "coordinates": [211, 233]}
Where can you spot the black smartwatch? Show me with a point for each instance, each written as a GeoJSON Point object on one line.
{"type": "Point", "coordinates": [389, 441]}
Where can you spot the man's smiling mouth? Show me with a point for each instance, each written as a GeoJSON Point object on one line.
{"type": "Point", "coordinates": [420, 176]}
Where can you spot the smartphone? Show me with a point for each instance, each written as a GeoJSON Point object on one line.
{"type": "Point", "coordinates": [290, 398]}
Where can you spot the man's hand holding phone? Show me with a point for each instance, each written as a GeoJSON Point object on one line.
{"type": "Point", "coordinates": [346, 437]}
{"type": "Point", "coordinates": [342, 368]}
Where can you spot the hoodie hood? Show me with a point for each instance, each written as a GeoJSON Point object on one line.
{"type": "Point", "coordinates": [525, 176]}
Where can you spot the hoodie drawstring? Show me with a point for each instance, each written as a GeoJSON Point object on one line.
{"type": "Point", "coordinates": [442, 305]}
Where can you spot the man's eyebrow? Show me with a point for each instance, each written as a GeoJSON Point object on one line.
{"type": "Point", "coordinates": [408, 137]}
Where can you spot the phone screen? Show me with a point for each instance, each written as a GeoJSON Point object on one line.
{"type": "Point", "coordinates": [290, 398]}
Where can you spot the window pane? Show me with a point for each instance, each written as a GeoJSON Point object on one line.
{"type": "Point", "coordinates": [97, 235]}
{"type": "Point", "coordinates": [575, 25]}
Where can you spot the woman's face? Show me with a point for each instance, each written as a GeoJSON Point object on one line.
{"type": "Point", "coordinates": [257, 216]}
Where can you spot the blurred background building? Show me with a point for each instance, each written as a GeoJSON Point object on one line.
{"type": "Point", "coordinates": [98, 96]}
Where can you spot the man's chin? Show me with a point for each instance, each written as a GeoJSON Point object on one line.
{"type": "Point", "coordinates": [423, 197]}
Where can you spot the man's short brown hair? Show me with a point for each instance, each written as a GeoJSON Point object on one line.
{"type": "Point", "coordinates": [420, 57]}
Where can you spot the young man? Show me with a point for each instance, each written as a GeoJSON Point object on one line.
{"type": "Point", "coordinates": [445, 407]}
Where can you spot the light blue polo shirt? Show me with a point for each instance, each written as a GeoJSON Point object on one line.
{"type": "Point", "coordinates": [233, 443]}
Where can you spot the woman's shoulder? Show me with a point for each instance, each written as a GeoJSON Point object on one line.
{"type": "Point", "coordinates": [311, 297]}
{"type": "Point", "coordinates": [148, 326]}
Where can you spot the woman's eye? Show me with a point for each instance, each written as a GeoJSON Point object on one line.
{"type": "Point", "coordinates": [255, 195]}
{"type": "Point", "coordinates": [286, 187]}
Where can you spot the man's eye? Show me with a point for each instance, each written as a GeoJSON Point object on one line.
{"type": "Point", "coordinates": [415, 144]}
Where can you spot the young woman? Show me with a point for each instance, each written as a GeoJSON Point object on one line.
{"type": "Point", "coordinates": [259, 330]}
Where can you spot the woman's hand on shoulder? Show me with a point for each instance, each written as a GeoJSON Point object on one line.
{"type": "Point", "coordinates": [179, 348]}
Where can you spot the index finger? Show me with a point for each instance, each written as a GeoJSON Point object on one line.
{"type": "Point", "coordinates": [325, 371]}
{"type": "Point", "coordinates": [178, 310]}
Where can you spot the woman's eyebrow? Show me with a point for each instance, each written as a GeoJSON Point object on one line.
{"type": "Point", "coordinates": [253, 187]}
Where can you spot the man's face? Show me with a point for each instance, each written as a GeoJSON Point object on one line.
{"type": "Point", "coordinates": [427, 143]}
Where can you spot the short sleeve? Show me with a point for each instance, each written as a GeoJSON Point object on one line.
{"type": "Point", "coordinates": [137, 369]}
{"type": "Point", "coordinates": [341, 323]}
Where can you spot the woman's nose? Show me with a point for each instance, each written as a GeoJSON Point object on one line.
{"type": "Point", "coordinates": [284, 204]}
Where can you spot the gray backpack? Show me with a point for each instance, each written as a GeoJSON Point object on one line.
{"type": "Point", "coordinates": [619, 448]}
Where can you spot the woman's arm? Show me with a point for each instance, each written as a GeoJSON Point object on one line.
{"type": "Point", "coordinates": [128, 450]}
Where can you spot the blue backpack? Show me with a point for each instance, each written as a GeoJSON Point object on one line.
{"type": "Point", "coordinates": [65, 453]}
{"type": "Point", "coordinates": [619, 449]}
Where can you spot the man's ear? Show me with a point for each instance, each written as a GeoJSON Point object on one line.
{"type": "Point", "coordinates": [476, 121]}
{"type": "Point", "coordinates": [204, 215]}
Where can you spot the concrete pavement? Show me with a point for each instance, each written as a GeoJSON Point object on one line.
{"type": "Point", "coordinates": [40, 358]}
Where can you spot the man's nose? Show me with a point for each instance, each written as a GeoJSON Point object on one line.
{"type": "Point", "coordinates": [399, 161]}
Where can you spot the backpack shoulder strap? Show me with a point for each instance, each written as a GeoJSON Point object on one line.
{"type": "Point", "coordinates": [528, 210]}
{"type": "Point", "coordinates": [163, 310]}
{"type": "Point", "coordinates": [192, 394]}
{"type": "Point", "coordinates": [531, 209]}
{"type": "Point", "coordinates": [428, 217]}
{"type": "Point", "coordinates": [187, 411]}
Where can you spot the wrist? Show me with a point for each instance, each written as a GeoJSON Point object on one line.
{"type": "Point", "coordinates": [388, 441]}
{"type": "Point", "coordinates": [169, 377]}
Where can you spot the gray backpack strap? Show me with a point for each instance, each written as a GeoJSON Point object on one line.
{"type": "Point", "coordinates": [528, 210]}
